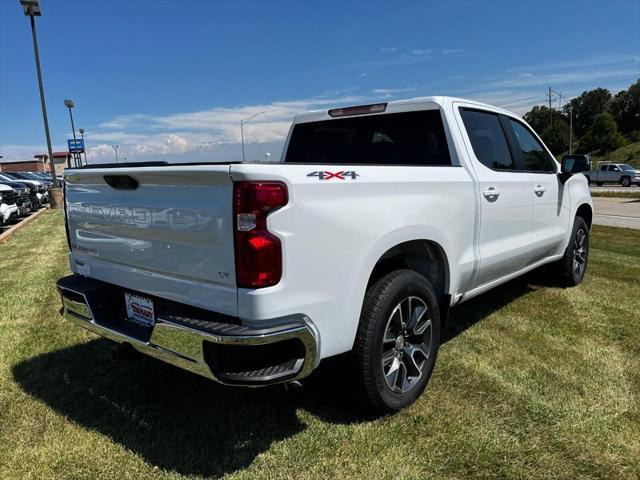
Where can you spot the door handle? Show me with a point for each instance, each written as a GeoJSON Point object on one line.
{"type": "Point", "coordinates": [539, 189]}
{"type": "Point", "coordinates": [491, 193]}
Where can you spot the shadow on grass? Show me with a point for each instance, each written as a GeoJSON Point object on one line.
{"type": "Point", "coordinates": [176, 420]}
{"type": "Point", "coordinates": [467, 314]}
{"type": "Point", "coordinates": [184, 423]}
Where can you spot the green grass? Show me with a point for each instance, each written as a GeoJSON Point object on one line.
{"type": "Point", "coordinates": [631, 194]}
{"type": "Point", "coordinates": [533, 381]}
{"type": "Point", "coordinates": [628, 154]}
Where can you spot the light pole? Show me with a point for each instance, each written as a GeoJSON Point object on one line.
{"type": "Point", "coordinates": [242, 122]}
{"type": "Point", "coordinates": [84, 149]}
{"type": "Point", "coordinates": [115, 149]}
{"type": "Point", "coordinates": [69, 104]}
{"type": "Point", "coordinates": [31, 9]}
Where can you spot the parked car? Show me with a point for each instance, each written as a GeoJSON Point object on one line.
{"type": "Point", "coordinates": [8, 207]}
{"type": "Point", "coordinates": [42, 193]}
{"type": "Point", "coordinates": [37, 176]}
{"type": "Point", "coordinates": [379, 219]}
{"type": "Point", "coordinates": [608, 172]}
{"type": "Point", "coordinates": [23, 200]}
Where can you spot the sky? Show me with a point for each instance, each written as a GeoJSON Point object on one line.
{"type": "Point", "coordinates": [171, 80]}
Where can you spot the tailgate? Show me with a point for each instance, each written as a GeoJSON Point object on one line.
{"type": "Point", "coordinates": [166, 231]}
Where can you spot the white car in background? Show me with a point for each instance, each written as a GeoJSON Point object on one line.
{"type": "Point", "coordinates": [8, 208]}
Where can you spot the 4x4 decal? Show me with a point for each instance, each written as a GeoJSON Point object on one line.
{"type": "Point", "coordinates": [342, 175]}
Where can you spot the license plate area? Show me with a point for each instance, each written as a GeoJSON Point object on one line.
{"type": "Point", "coordinates": [139, 309]}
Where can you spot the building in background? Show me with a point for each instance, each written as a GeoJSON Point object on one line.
{"type": "Point", "coordinates": [61, 160]}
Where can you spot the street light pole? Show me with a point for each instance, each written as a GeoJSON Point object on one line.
{"type": "Point", "coordinates": [242, 122]}
{"type": "Point", "coordinates": [115, 149]}
{"type": "Point", "coordinates": [84, 149]}
{"type": "Point", "coordinates": [32, 9]}
{"type": "Point", "coordinates": [69, 104]}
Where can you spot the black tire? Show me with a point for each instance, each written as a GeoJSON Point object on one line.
{"type": "Point", "coordinates": [599, 184]}
{"type": "Point", "coordinates": [588, 179]}
{"type": "Point", "coordinates": [625, 181]}
{"type": "Point", "coordinates": [380, 319]}
{"type": "Point", "coordinates": [572, 255]}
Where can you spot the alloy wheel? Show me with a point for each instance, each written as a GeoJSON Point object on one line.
{"type": "Point", "coordinates": [579, 253]}
{"type": "Point", "coordinates": [406, 344]}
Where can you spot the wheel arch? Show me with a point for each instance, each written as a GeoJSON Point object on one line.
{"type": "Point", "coordinates": [585, 211]}
{"type": "Point", "coordinates": [425, 256]}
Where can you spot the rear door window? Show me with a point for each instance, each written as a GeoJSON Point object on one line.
{"type": "Point", "coordinates": [407, 138]}
{"type": "Point", "coordinates": [488, 139]}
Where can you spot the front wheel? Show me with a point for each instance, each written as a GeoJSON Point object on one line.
{"type": "Point", "coordinates": [397, 341]}
{"type": "Point", "coordinates": [573, 265]}
{"type": "Point", "coordinates": [625, 182]}
{"type": "Point", "coordinates": [599, 184]}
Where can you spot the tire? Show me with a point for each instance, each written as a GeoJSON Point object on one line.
{"type": "Point", "coordinates": [625, 181]}
{"type": "Point", "coordinates": [573, 258]}
{"type": "Point", "coordinates": [395, 360]}
{"type": "Point", "coordinates": [599, 184]}
{"type": "Point", "coordinates": [588, 179]}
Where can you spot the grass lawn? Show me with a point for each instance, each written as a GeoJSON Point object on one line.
{"type": "Point", "coordinates": [533, 381]}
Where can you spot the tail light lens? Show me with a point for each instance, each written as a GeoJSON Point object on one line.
{"type": "Point", "coordinates": [258, 252]}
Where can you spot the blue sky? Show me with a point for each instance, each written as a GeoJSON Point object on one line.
{"type": "Point", "coordinates": [171, 79]}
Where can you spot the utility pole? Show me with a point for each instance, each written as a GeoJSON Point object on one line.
{"type": "Point", "coordinates": [32, 8]}
{"type": "Point", "coordinates": [242, 122]}
{"type": "Point", "coordinates": [560, 98]}
{"type": "Point", "coordinates": [550, 110]}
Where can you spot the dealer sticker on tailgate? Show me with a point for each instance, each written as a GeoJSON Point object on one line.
{"type": "Point", "coordinates": [139, 309]}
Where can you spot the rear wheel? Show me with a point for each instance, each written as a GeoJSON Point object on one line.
{"type": "Point", "coordinates": [573, 265]}
{"type": "Point", "coordinates": [397, 341]}
{"type": "Point", "coordinates": [625, 181]}
{"type": "Point", "coordinates": [599, 184]}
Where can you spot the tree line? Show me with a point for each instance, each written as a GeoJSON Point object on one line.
{"type": "Point", "coordinates": [602, 122]}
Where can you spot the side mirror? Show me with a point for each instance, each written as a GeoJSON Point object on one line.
{"type": "Point", "coordinates": [573, 165]}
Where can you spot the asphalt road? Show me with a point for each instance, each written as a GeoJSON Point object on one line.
{"type": "Point", "coordinates": [617, 212]}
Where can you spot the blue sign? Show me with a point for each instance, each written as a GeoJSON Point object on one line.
{"type": "Point", "coordinates": [76, 146]}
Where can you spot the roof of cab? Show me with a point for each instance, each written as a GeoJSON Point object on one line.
{"type": "Point", "coordinates": [409, 104]}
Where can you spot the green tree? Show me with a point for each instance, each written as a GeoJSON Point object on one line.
{"type": "Point", "coordinates": [556, 136]}
{"type": "Point", "coordinates": [625, 108]}
{"type": "Point", "coordinates": [604, 135]}
{"type": "Point", "coordinates": [586, 107]}
{"type": "Point", "coordinates": [539, 118]}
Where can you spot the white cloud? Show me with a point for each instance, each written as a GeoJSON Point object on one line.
{"type": "Point", "coordinates": [451, 51]}
{"type": "Point", "coordinates": [418, 51]}
{"type": "Point", "coordinates": [388, 49]}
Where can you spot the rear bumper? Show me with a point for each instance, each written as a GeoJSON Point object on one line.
{"type": "Point", "coordinates": [219, 348]}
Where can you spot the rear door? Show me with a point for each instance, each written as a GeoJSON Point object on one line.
{"type": "Point", "coordinates": [506, 206]}
{"type": "Point", "coordinates": [166, 231]}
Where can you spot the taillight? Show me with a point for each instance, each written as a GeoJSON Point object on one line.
{"type": "Point", "coordinates": [258, 252]}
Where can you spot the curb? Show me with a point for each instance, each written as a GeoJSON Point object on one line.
{"type": "Point", "coordinates": [9, 233]}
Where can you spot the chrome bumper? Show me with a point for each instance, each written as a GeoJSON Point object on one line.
{"type": "Point", "coordinates": [188, 346]}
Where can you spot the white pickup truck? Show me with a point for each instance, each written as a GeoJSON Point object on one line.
{"type": "Point", "coordinates": [378, 219]}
